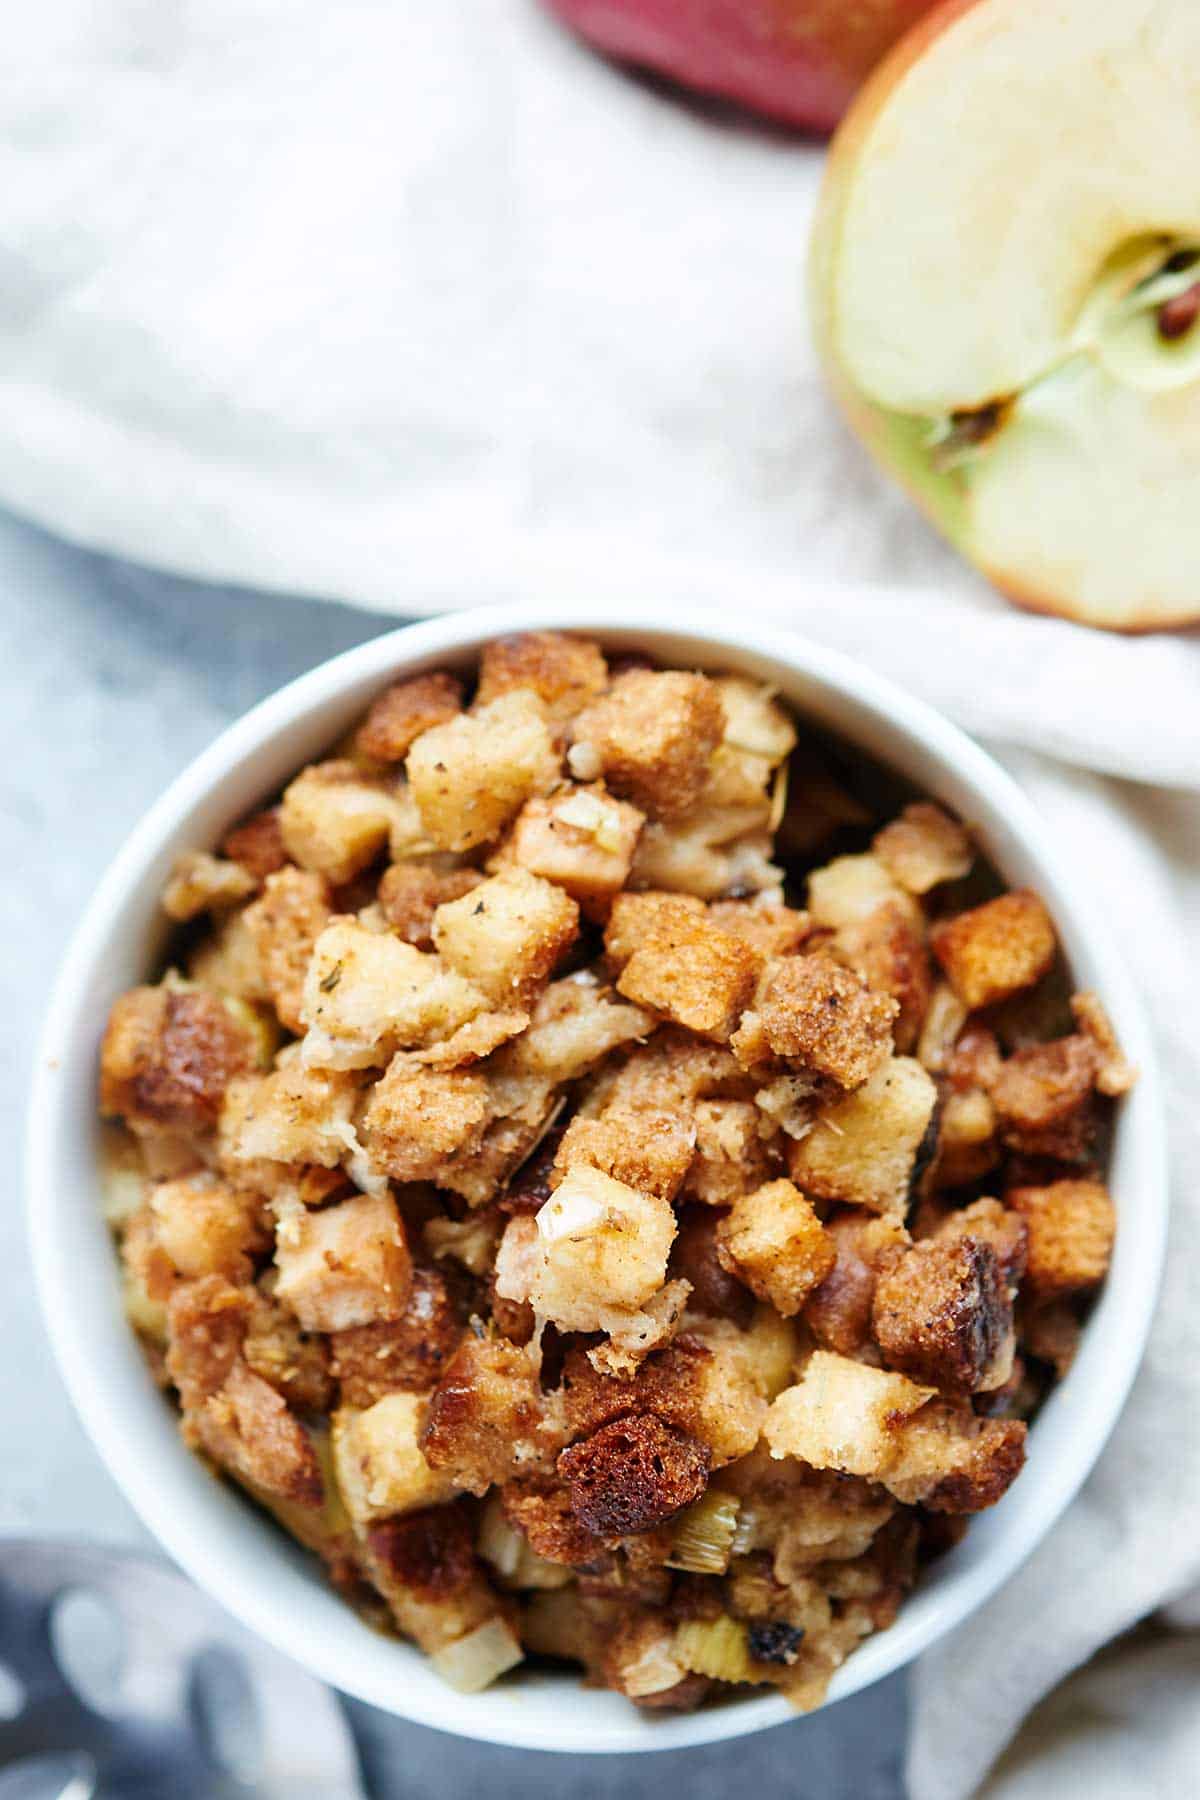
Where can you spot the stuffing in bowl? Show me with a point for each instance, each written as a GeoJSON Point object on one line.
{"type": "Point", "coordinates": [611, 1172]}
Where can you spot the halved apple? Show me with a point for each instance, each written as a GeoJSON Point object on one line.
{"type": "Point", "coordinates": [799, 61]}
{"type": "Point", "coordinates": [1006, 291]}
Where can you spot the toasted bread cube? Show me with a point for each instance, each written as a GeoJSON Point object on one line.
{"type": "Point", "coordinates": [943, 1314]}
{"type": "Point", "coordinates": [949, 1460]}
{"type": "Point", "coordinates": [404, 1355]}
{"type": "Point", "coordinates": [632, 1474]}
{"type": "Point", "coordinates": [996, 949]}
{"type": "Point", "coordinates": [843, 1415]}
{"type": "Point", "coordinates": [472, 775]}
{"type": "Point", "coordinates": [489, 1418]}
{"type": "Point", "coordinates": [292, 1115]}
{"type": "Point", "coordinates": [403, 711]}
{"type": "Point", "coordinates": [380, 1466]}
{"type": "Point", "coordinates": [257, 844]}
{"type": "Point", "coordinates": [889, 953]}
{"type": "Point", "coordinates": [851, 888]}
{"type": "Point", "coordinates": [284, 925]}
{"type": "Point", "coordinates": [923, 848]}
{"type": "Point", "coordinates": [168, 1057]}
{"type": "Point", "coordinates": [208, 1227]}
{"type": "Point", "coordinates": [226, 960]}
{"type": "Point", "coordinates": [564, 672]}
{"type": "Point", "coordinates": [583, 839]}
{"type": "Point", "coordinates": [368, 994]}
{"type": "Point", "coordinates": [425, 1567]}
{"type": "Point", "coordinates": [810, 1012]}
{"type": "Point", "coordinates": [1004, 1230]}
{"type": "Point", "coordinates": [730, 1155]}
{"type": "Point", "coordinates": [838, 1313]}
{"type": "Point", "coordinates": [1071, 1225]}
{"type": "Point", "coordinates": [506, 935]}
{"type": "Point", "coordinates": [348, 1265]}
{"type": "Point", "coordinates": [653, 736]}
{"type": "Point", "coordinates": [416, 1118]}
{"type": "Point", "coordinates": [1042, 1095]}
{"type": "Point", "coordinates": [651, 1151]}
{"type": "Point", "coordinates": [755, 720]}
{"type": "Point", "coordinates": [864, 1148]}
{"type": "Point", "coordinates": [771, 929]}
{"type": "Point", "coordinates": [335, 820]}
{"type": "Point", "coordinates": [410, 893]}
{"type": "Point", "coordinates": [967, 1144]}
{"type": "Point", "coordinates": [773, 1241]}
{"type": "Point", "coordinates": [1114, 1075]}
{"type": "Point", "coordinates": [571, 1028]}
{"type": "Point", "coordinates": [602, 1250]}
{"type": "Point", "coordinates": [202, 883]}
{"type": "Point", "coordinates": [681, 965]}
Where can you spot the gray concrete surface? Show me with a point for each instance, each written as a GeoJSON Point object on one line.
{"type": "Point", "coordinates": [111, 678]}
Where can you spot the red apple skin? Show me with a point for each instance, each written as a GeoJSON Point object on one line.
{"type": "Point", "coordinates": [797, 61]}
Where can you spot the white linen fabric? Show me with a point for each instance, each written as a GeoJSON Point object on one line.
{"type": "Point", "coordinates": [420, 306]}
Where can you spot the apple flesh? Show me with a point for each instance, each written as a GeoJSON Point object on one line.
{"type": "Point", "coordinates": [1004, 289]}
{"type": "Point", "coordinates": [798, 61]}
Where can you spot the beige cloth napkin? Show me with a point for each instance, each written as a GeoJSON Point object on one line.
{"type": "Point", "coordinates": [421, 305]}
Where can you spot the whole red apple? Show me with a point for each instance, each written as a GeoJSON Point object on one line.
{"type": "Point", "coordinates": [799, 61]}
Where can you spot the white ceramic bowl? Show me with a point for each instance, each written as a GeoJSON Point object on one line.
{"type": "Point", "coordinates": [233, 1552]}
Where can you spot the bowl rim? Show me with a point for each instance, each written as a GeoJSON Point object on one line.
{"type": "Point", "coordinates": [197, 1520]}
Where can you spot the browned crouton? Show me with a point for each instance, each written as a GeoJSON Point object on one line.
{"type": "Point", "coordinates": [647, 1150]}
{"type": "Point", "coordinates": [230, 1412]}
{"type": "Point", "coordinates": [865, 1148]}
{"type": "Point", "coordinates": [404, 1355]}
{"type": "Point", "coordinates": [695, 1259]}
{"type": "Point", "coordinates": [1051, 1332]}
{"type": "Point", "coordinates": [695, 974]}
{"type": "Point", "coordinates": [843, 1415]}
{"type": "Point", "coordinates": [838, 1313]}
{"type": "Point", "coordinates": [730, 1155]}
{"type": "Point", "coordinates": [336, 820]}
{"type": "Point", "coordinates": [639, 921]}
{"type": "Point", "coordinates": [996, 949]}
{"type": "Point", "coordinates": [284, 925]}
{"type": "Point", "coordinates": [257, 843]}
{"type": "Point", "coordinates": [923, 848]}
{"type": "Point", "coordinates": [773, 1241]}
{"type": "Point", "coordinates": [583, 839]}
{"type": "Point", "coordinates": [950, 1460]}
{"type": "Point", "coordinates": [810, 1012]}
{"type": "Point", "coordinates": [632, 1474]}
{"type": "Point", "coordinates": [472, 775]}
{"type": "Point", "coordinates": [1043, 1097]}
{"type": "Point", "coordinates": [889, 952]}
{"type": "Point", "coordinates": [540, 1507]}
{"type": "Point", "coordinates": [1114, 1075]}
{"type": "Point", "coordinates": [417, 1118]}
{"type": "Point", "coordinates": [425, 1567]}
{"type": "Point", "coordinates": [294, 1361]}
{"type": "Point", "coordinates": [507, 935]}
{"type": "Point", "coordinates": [168, 1056]}
{"type": "Point", "coordinates": [943, 1314]}
{"type": "Point", "coordinates": [1005, 1230]}
{"type": "Point", "coordinates": [202, 883]}
{"type": "Point", "coordinates": [348, 1265]}
{"type": "Point", "coordinates": [208, 1227]}
{"type": "Point", "coordinates": [713, 1383]}
{"type": "Point", "coordinates": [769, 928]}
{"type": "Point", "coordinates": [564, 672]}
{"type": "Point", "coordinates": [488, 1418]}
{"type": "Point", "coordinates": [368, 994]}
{"type": "Point", "coordinates": [653, 736]}
{"type": "Point", "coordinates": [410, 893]}
{"type": "Point", "coordinates": [290, 1117]}
{"type": "Point", "coordinates": [1071, 1229]}
{"type": "Point", "coordinates": [403, 711]}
